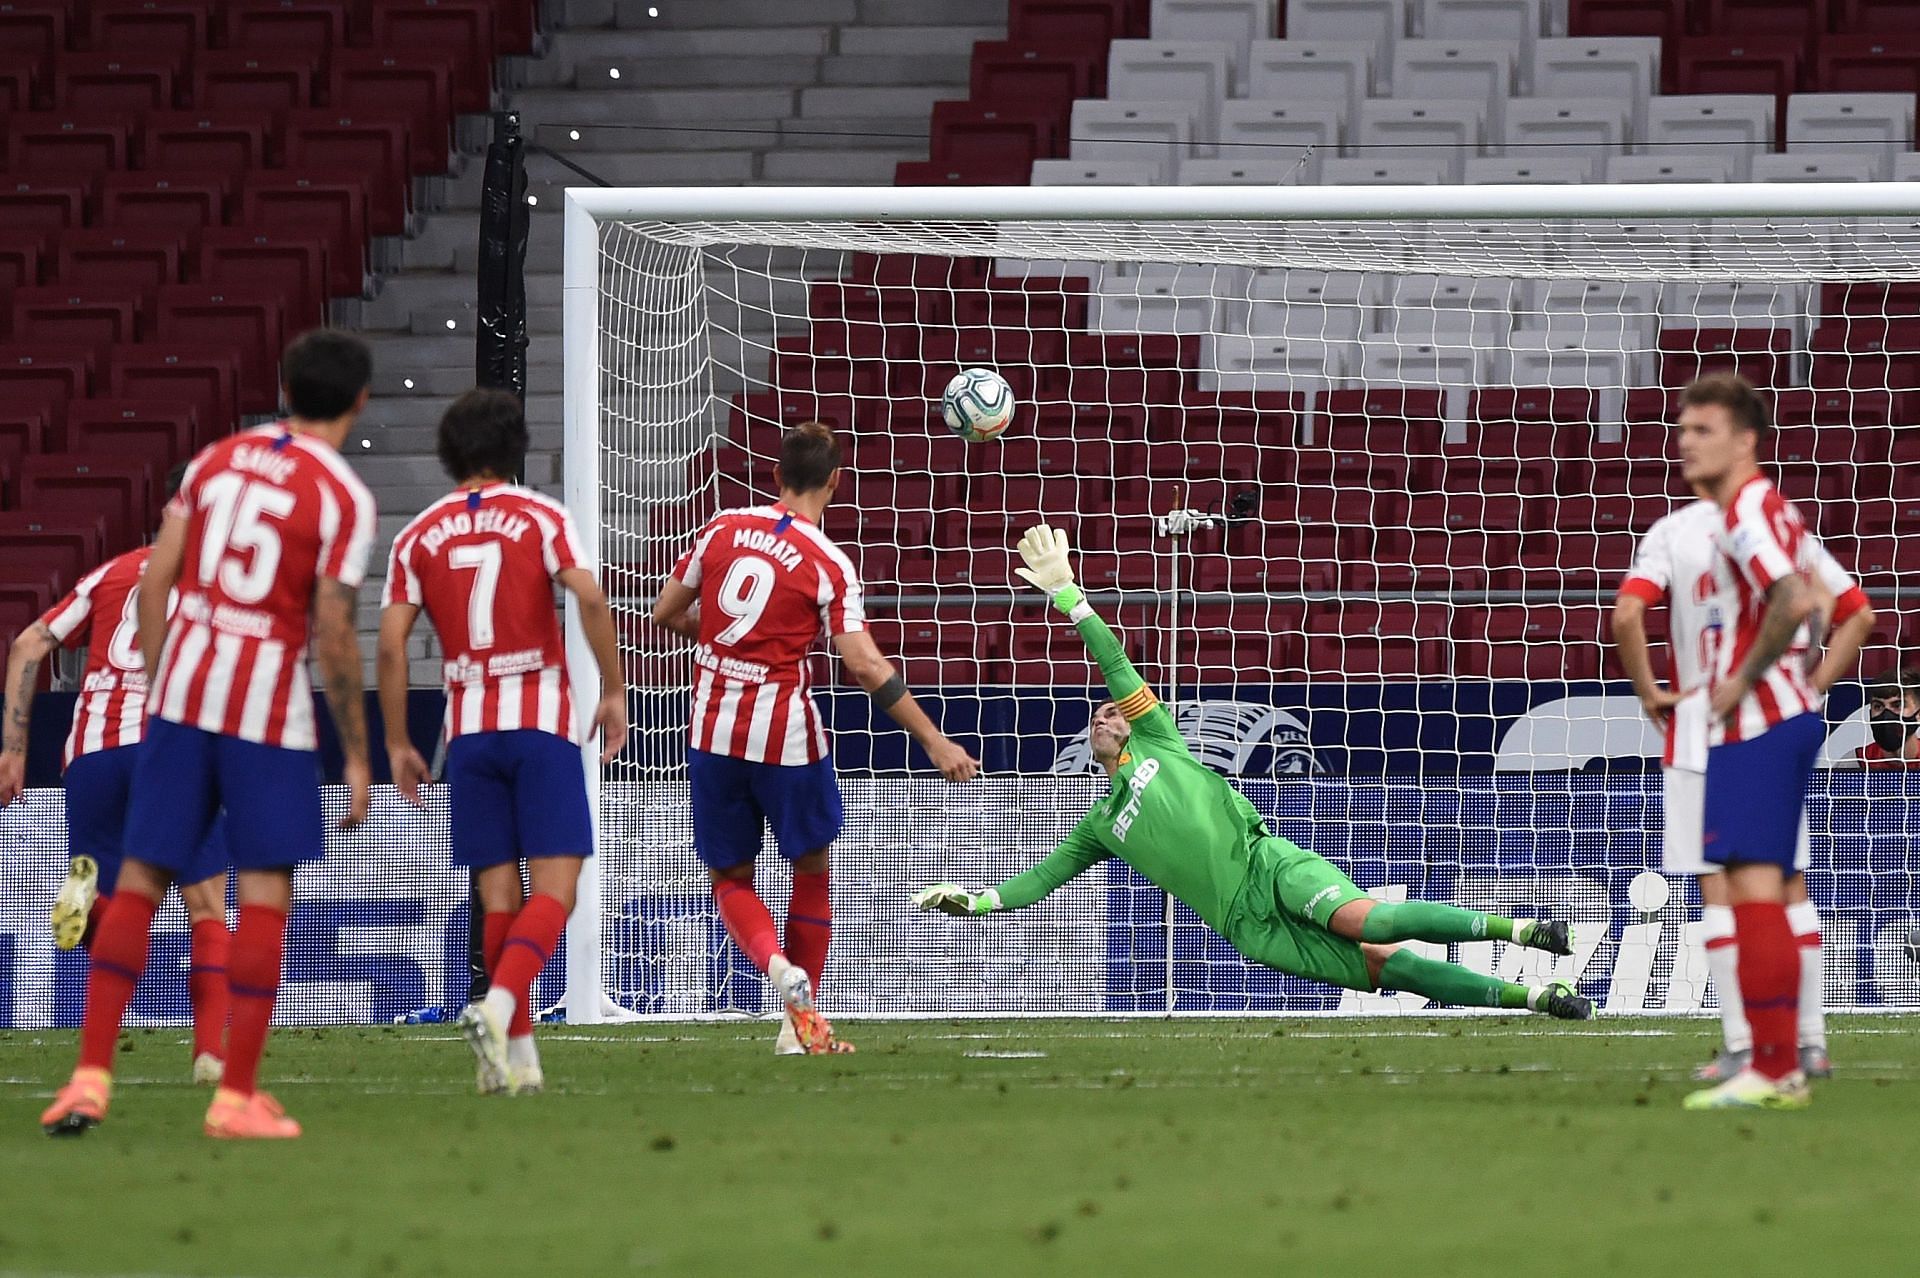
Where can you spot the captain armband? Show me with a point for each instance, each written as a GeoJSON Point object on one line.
{"type": "Point", "coordinates": [888, 694]}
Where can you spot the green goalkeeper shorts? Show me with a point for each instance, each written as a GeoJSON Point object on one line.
{"type": "Point", "coordinates": [1280, 919]}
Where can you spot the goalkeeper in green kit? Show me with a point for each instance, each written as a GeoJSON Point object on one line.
{"type": "Point", "coordinates": [1196, 837]}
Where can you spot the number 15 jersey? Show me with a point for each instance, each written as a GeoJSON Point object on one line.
{"type": "Point", "coordinates": [482, 563]}
{"type": "Point", "coordinates": [269, 512]}
{"type": "Point", "coordinates": [770, 583]}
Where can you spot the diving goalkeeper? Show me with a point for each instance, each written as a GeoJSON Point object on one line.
{"type": "Point", "coordinates": [1196, 837]}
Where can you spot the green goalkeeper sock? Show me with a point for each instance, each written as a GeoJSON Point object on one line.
{"type": "Point", "coordinates": [1448, 983]}
{"type": "Point", "coordinates": [1426, 921]}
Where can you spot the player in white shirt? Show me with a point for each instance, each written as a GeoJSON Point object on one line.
{"type": "Point", "coordinates": [1679, 564]}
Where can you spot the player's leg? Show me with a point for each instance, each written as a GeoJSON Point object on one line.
{"type": "Point", "coordinates": [98, 786]}
{"type": "Point", "coordinates": [727, 826]}
{"type": "Point", "coordinates": [484, 831]}
{"type": "Point", "coordinates": [273, 823]}
{"type": "Point", "coordinates": [804, 809]}
{"type": "Point", "coordinates": [1755, 800]}
{"type": "Point", "coordinates": [172, 801]}
{"type": "Point", "coordinates": [1804, 919]}
{"type": "Point", "coordinates": [210, 947]}
{"type": "Point", "coordinates": [1683, 792]}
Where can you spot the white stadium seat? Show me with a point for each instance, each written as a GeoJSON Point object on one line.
{"type": "Point", "coordinates": [1578, 358]}
{"type": "Point", "coordinates": [1738, 126]}
{"type": "Point", "coordinates": [1505, 170]}
{"type": "Point", "coordinates": [1516, 23]}
{"type": "Point", "coordinates": [1452, 293]}
{"type": "Point", "coordinates": [1168, 298]}
{"type": "Point", "coordinates": [1195, 71]}
{"type": "Point", "coordinates": [1623, 67]}
{"type": "Point", "coordinates": [1805, 166]}
{"type": "Point", "coordinates": [1480, 69]}
{"type": "Point", "coordinates": [1590, 128]}
{"type": "Point", "coordinates": [1274, 364]}
{"type": "Point", "coordinates": [1455, 365]}
{"type": "Point", "coordinates": [1906, 168]}
{"type": "Point", "coordinates": [1098, 173]}
{"type": "Point", "coordinates": [1341, 70]}
{"type": "Point", "coordinates": [1329, 289]}
{"type": "Point", "coordinates": [1877, 125]}
{"type": "Point", "coordinates": [1400, 170]}
{"type": "Point", "coordinates": [1158, 133]}
{"type": "Point", "coordinates": [1450, 327]}
{"type": "Point", "coordinates": [1379, 23]}
{"type": "Point", "coordinates": [1634, 302]}
{"type": "Point", "coordinates": [1290, 319]}
{"type": "Point", "coordinates": [1732, 304]}
{"type": "Point", "coordinates": [1290, 171]}
{"type": "Point", "coordinates": [1670, 168]}
{"type": "Point", "coordinates": [1279, 131]}
{"type": "Point", "coordinates": [1237, 22]}
{"type": "Point", "coordinates": [1448, 128]}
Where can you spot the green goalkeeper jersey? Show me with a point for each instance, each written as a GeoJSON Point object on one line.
{"type": "Point", "coordinates": [1169, 816]}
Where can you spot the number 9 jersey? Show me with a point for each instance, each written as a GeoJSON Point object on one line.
{"type": "Point", "coordinates": [770, 583]}
{"type": "Point", "coordinates": [269, 512]}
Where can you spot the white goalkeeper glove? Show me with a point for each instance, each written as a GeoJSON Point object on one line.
{"type": "Point", "coordinates": [951, 898]}
{"type": "Point", "coordinates": [1044, 550]}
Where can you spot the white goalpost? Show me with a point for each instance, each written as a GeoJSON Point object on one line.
{"type": "Point", "coordinates": [1356, 472]}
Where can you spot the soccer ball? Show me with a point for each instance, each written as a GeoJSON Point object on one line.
{"type": "Point", "coordinates": [977, 404]}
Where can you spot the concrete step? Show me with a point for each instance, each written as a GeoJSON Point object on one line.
{"type": "Point", "coordinates": [722, 42]}
{"type": "Point", "coordinates": [840, 133]}
{"type": "Point", "coordinates": [687, 15]}
{"type": "Point", "coordinates": [833, 168]}
{"type": "Point", "coordinates": [699, 71]}
{"type": "Point", "coordinates": [641, 167]}
{"type": "Point", "coordinates": [857, 103]}
{"type": "Point", "coordinates": [580, 140]}
{"type": "Point", "coordinates": [888, 13]}
{"type": "Point", "coordinates": [941, 40]}
{"type": "Point", "coordinates": [613, 101]}
{"type": "Point", "coordinates": [953, 67]}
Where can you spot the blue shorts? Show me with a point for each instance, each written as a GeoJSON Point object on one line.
{"type": "Point", "coordinates": [98, 788]}
{"type": "Point", "coordinates": [517, 794]}
{"type": "Point", "coordinates": [1757, 794]}
{"type": "Point", "coordinates": [734, 799]}
{"type": "Point", "coordinates": [185, 776]}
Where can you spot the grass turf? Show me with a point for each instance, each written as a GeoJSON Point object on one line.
{"type": "Point", "coordinates": [1417, 1147]}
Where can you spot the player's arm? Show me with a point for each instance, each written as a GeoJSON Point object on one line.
{"type": "Point", "coordinates": [596, 622]}
{"type": "Point", "coordinates": [336, 650]}
{"type": "Point", "coordinates": [156, 587]}
{"type": "Point", "coordinates": [874, 673]}
{"type": "Point", "coordinates": [678, 609]}
{"type": "Point", "coordinates": [1630, 639]}
{"type": "Point", "coordinates": [395, 675]}
{"type": "Point", "coordinates": [1045, 551]}
{"type": "Point", "coordinates": [1852, 615]}
{"type": "Point", "coordinates": [32, 647]}
{"type": "Point", "coordinates": [1077, 853]}
{"type": "Point", "coordinates": [1790, 602]}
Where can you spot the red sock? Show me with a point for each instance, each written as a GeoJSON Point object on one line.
{"type": "Point", "coordinates": [253, 975]}
{"type": "Point", "coordinates": [207, 985]}
{"type": "Point", "coordinates": [119, 956]}
{"type": "Point", "coordinates": [95, 913]}
{"type": "Point", "coordinates": [529, 944]}
{"type": "Point", "coordinates": [1769, 984]}
{"type": "Point", "coordinates": [810, 925]}
{"type": "Point", "coordinates": [747, 920]}
{"type": "Point", "coordinates": [494, 929]}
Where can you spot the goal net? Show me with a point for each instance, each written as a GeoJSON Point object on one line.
{"type": "Point", "coordinates": [1355, 472]}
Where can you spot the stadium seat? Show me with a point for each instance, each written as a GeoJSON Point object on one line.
{"type": "Point", "coordinates": [207, 378]}
{"type": "Point", "coordinates": [1404, 426]}
{"type": "Point", "coordinates": [50, 144]}
{"type": "Point", "coordinates": [1363, 640]}
{"type": "Point", "coordinates": [1740, 63]}
{"type": "Point", "coordinates": [1876, 126]}
{"type": "Point", "coordinates": [950, 647]}
{"type": "Point", "coordinates": [20, 260]}
{"type": "Point", "coordinates": [316, 26]}
{"type": "Point", "coordinates": [1880, 563]}
{"type": "Point", "coordinates": [1803, 166]}
{"type": "Point", "coordinates": [1867, 354]}
{"type": "Point", "coordinates": [126, 81]}
{"type": "Point", "coordinates": [177, 27]}
{"type": "Point", "coordinates": [1507, 170]}
{"type": "Point", "coordinates": [119, 258]}
{"type": "Point", "coordinates": [1074, 23]}
{"type": "Point", "coordinates": [1583, 561]}
{"type": "Point", "coordinates": [327, 205]}
{"type": "Point", "coordinates": [1407, 128]}
{"type": "Point", "coordinates": [414, 85]}
{"type": "Point", "coordinates": [68, 315]}
{"type": "Point", "coordinates": [1336, 70]}
{"type": "Point", "coordinates": [1663, 18]}
{"type": "Point", "coordinates": [1761, 355]}
{"type": "Point", "coordinates": [1052, 656]}
{"type": "Point", "coordinates": [1377, 23]}
{"type": "Point", "coordinates": [1275, 132]}
{"type": "Point", "coordinates": [259, 81]}
{"type": "Point", "coordinates": [1513, 457]}
{"type": "Point", "coordinates": [20, 80]}
{"type": "Point", "coordinates": [119, 492]}
{"type": "Point", "coordinates": [23, 430]}
{"type": "Point", "coordinates": [1237, 22]}
{"type": "Point", "coordinates": [1514, 22]}
{"type": "Point", "coordinates": [1098, 173]}
{"type": "Point", "coordinates": [1679, 168]}
{"type": "Point", "coordinates": [1405, 170]}
{"type": "Point", "coordinates": [1048, 77]}
{"type": "Point", "coordinates": [1880, 18]}
{"type": "Point", "coordinates": [1266, 365]}
{"type": "Point", "coordinates": [249, 321]}
{"type": "Point", "coordinates": [35, 31]}
{"type": "Point", "coordinates": [1157, 133]}
{"type": "Point", "coordinates": [173, 201]}
{"type": "Point", "coordinates": [1738, 305]}
{"type": "Point", "coordinates": [374, 145]}
{"type": "Point", "coordinates": [36, 206]}
{"type": "Point", "coordinates": [1864, 413]}
{"type": "Point", "coordinates": [1625, 69]}
{"type": "Point", "coordinates": [1734, 126]}
{"type": "Point", "coordinates": [1566, 127]}
{"type": "Point", "coordinates": [41, 379]}
{"type": "Point", "coordinates": [1199, 72]}
{"type": "Point", "coordinates": [1477, 70]}
{"type": "Point", "coordinates": [1640, 463]}
{"type": "Point", "coordinates": [159, 432]}
{"type": "Point", "coordinates": [51, 545]}
{"type": "Point", "coordinates": [1536, 642]}
{"type": "Point", "coordinates": [1866, 64]}
{"type": "Point", "coordinates": [1266, 557]}
{"type": "Point", "coordinates": [1303, 170]}
{"type": "Point", "coordinates": [204, 141]}
{"type": "Point", "coordinates": [969, 134]}
{"type": "Point", "coordinates": [464, 27]}
{"type": "Point", "coordinates": [1800, 20]}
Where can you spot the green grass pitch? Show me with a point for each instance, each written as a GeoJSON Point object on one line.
{"type": "Point", "coordinates": [1430, 1146]}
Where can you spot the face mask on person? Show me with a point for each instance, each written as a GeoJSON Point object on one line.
{"type": "Point", "coordinates": [1891, 728]}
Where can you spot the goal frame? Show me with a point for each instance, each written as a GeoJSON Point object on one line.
{"type": "Point", "coordinates": [586, 208]}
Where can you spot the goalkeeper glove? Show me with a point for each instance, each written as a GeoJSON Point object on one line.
{"type": "Point", "coordinates": [1044, 550]}
{"type": "Point", "coordinates": [951, 898]}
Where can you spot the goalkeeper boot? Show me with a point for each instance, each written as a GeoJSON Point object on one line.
{"type": "Point", "coordinates": [1564, 1003]}
{"type": "Point", "coordinates": [814, 1031]}
{"type": "Point", "coordinates": [81, 1104]}
{"type": "Point", "coordinates": [1750, 1089]}
{"type": "Point", "coordinates": [486, 1033]}
{"type": "Point", "coordinates": [526, 1080]}
{"type": "Point", "coordinates": [234, 1116]}
{"type": "Point", "coordinates": [1551, 935]}
{"type": "Point", "coordinates": [1724, 1066]}
{"type": "Point", "coordinates": [787, 1043]}
{"type": "Point", "coordinates": [1814, 1061]}
{"type": "Point", "coordinates": [75, 902]}
{"type": "Point", "coordinates": [207, 1069]}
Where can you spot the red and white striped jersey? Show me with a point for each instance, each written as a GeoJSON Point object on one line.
{"type": "Point", "coordinates": [111, 710]}
{"type": "Point", "coordinates": [1761, 540]}
{"type": "Point", "coordinates": [269, 513]}
{"type": "Point", "coordinates": [770, 584]}
{"type": "Point", "coordinates": [482, 563]}
{"type": "Point", "coordinates": [1679, 563]}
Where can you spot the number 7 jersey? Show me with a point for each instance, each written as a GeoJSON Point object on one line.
{"type": "Point", "coordinates": [482, 563]}
{"type": "Point", "coordinates": [269, 512]}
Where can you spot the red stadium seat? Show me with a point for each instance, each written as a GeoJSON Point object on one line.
{"type": "Point", "coordinates": [1664, 18]}
{"type": "Point", "coordinates": [1145, 370]}
{"type": "Point", "coordinates": [119, 259]}
{"type": "Point", "coordinates": [1053, 656]}
{"type": "Point", "coordinates": [23, 430]}
{"type": "Point", "coordinates": [1268, 557]}
{"type": "Point", "coordinates": [1883, 18]}
{"type": "Point", "coordinates": [1467, 512]}
{"type": "Point", "coordinates": [35, 30]}
{"type": "Point", "coordinates": [222, 141]}
{"type": "Point", "coordinates": [1082, 24]}
{"type": "Point", "coordinates": [1870, 299]}
{"type": "Point", "coordinates": [1536, 642]}
{"type": "Point", "coordinates": [1008, 71]}
{"type": "Point", "coordinates": [126, 81]}
{"type": "Point", "coordinates": [1231, 643]}
{"type": "Point", "coordinates": [1761, 355]}
{"type": "Point", "coordinates": [205, 377]}
{"type": "Point", "coordinates": [413, 84]}
{"type": "Point", "coordinates": [294, 268]}
{"type": "Point", "coordinates": [182, 202]}
{"type": "Point", "coordinates": [41, 379]}
{"type": "Point", "coordinates": [1639, 460]}
{"type": "Point", "coordinates": [972, 133]}
{"type": "Point", "coordinates": [1880, 563]}
{"type": "Point", "coordinates": [918, 270]}
{"type": "Point", "coordinates": [20, 260]}
{"type": "Point", "coordinates": [951, 647]}
{"type": "Point", "coordinates": [57, 546]}
{"type": "Point", "coordinates": [462, 27]}
{"type": "Point", "coordinates": [1802, 20]}
{"type": "Point", "coordinates": [314, 26]}
{"type": "Point", "coordinates": [173, 26]}
{"type": "Point", "coordinates": [1867, 64]}
{"type": "Point", "coordinates": [374, 145]}
{"type": "Point", "coordinates": [1864, 414]}
{"type": "Point", "coordinates": [1052, 303]}
{"type": "Point", "coordinates": [159, 432]}
{"type": "Point", "coordinates": [992, 171]}
{"type": "Point", "coordinates": [249, 322]}
{"type": "Point", "coordinates": [1357, 639]}
{"type": "Point", "coordinates": [1581, 560]}
{"type": "Point", "coordinates": [119, 492]}
{"type": "Point", "coordinates": [36, 207]}
{"type": "Point", "coordinates": [326, 205]}
{"type": "Point", "coordinates": [51, 144]}
{"type": "Point", "coordinates": [1402, 427]}
{"type": "Point", "coordinates": [23, 592]}
{"type": "Point", "coordinates": [253, 80]}
{"type": "Point", "coordinates": [1607, 514]}
{"type": "Point", "coordinates": [1515, 457]}
{"type": "Point", "coordinates": [1736, 63]}
{"type": "Point", "coordinates": [68, 315]}
{"type": "Point", "coordinates": [20, 81]}
{"type": "Point", "coordinates": [1869, 354]}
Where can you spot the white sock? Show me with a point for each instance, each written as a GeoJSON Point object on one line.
{"type": "Point", "coordinates": [501, 1004]}
{"type": "Point", "coordinates": [1723, 964]}
{"type": "Point", "coordinates": [777, 966]}
{"type": "Point", "coordinates": [1804, 919]}
{"type": "Point", "coordinates": [522, 1054]}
